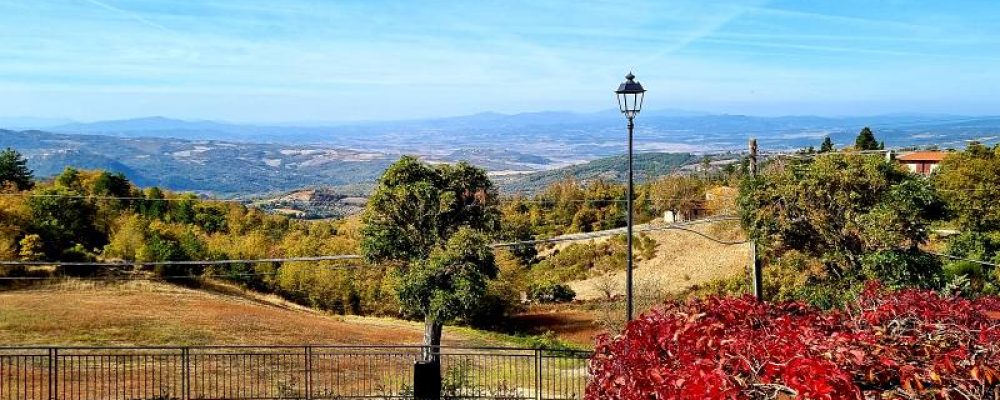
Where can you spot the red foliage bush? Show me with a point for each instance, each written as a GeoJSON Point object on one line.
{"type": "Point", "coordinates": [908, 344]}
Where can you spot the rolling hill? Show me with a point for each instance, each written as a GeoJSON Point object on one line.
{"type": "Point", "coordinates": [646, 165]}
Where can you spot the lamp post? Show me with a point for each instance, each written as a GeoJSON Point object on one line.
{"type": "Point", "coordinates": [630, 94]}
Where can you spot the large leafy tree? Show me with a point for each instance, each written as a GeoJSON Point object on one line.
{"type": "Point", "coordinates": [969, 182]}
{"type": "Point", "coordinates": [14, 170]}
{"type": "Point", "coordinates": [64, 220]}
{"type": "Point", "coordinates": [450, 284]}
{"type": "Point", "coordinates": [860, 216]}
{"type": "Point", "coordinates": [412, 221]}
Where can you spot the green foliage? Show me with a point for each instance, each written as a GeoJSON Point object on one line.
{"type": "Point", "coordinates": [866, 140]}
{"type": "Point", "coordinates": [902, 268]}
{"type": "Point", "coordinates": [584, 260]}
{"type": "Point", "coordinates": [969, 182]}
{"type": "Point", "coordinates": [567, 206]}
{"type": "Point", "coordinates": [982, 246]}
{"type": "Point", "coordinates": [415, 208]}
{"type": "Point", "coordinates": [153, 206]}
{"type": "Point", "coordinates": [63, 220]}
{"type": "Point", "coordinates": [550, 292]}
{"type": "Point", "coordinates": [826, 146]}
{"type": "Point", "coordinates": [435, 224]}
{"type": "Point", "coordinates": [861, 216]}
{"type": "Point", "coordinates": [452, 282]}
{"type": "Point", "coordinates": [14, 170]}
{"type": "Point", "coordinates": [112, 185]}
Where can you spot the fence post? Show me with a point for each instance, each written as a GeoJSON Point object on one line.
{"type": "Point", "coordinates": [52, 375]}
{"type": "Point", "coordinates": [308, 372]}
{"type": "Point", "coordinates": [186, 373]}
{"type": "Point", "coordinates": [538, 374]}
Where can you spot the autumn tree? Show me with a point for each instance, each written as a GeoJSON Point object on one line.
{"type": "Point", "coordinates": [413, 219]}
{"type": "Point", "coordinates": [14, 170]}
{"type": "Point", "coordinates": [677, 193]}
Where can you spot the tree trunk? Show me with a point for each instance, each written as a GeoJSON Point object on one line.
{"type": "Point", "coordinates": [432, 339]}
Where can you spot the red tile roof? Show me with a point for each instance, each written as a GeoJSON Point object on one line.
{"type": "Point", "coordinates": [936, 156]}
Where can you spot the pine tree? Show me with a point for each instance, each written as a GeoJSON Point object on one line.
{"type": "Point", "coordinates": [14, 170]}
{"type": "Point", "coordinates": [866, 140]}
{"type": "Point", "coordinates": [826, 146]}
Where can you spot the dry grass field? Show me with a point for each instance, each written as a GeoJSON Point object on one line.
{"type": "Point", "coordinates": [683, 259]}
{"type": "Point", "coordinates": [146, 313]}
{"type": "Point", "coordinates": [149, 313]}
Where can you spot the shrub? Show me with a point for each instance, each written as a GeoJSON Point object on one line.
{"type": "Point", "coordinates": [549, 292]}
{"type": "Point", "coordinates": [910, 344]}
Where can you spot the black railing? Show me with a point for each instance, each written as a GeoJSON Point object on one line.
{"type": "Point", "coordinates": [283, 372]}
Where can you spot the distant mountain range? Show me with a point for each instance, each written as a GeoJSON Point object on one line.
{"type": "Point", "coordinates": [522, 150]}
{"type": "Point", "coordinates": [555, 135]}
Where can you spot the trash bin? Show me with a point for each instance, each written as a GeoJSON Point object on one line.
{"type": "Point", "coordinates": [427, 380]}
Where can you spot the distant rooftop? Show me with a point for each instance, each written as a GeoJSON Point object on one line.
{"type": "Point", "coordinates": [927, 155]}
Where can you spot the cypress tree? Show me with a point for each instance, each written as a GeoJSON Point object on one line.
{"type": "Point", "coordinates": [866, 140]}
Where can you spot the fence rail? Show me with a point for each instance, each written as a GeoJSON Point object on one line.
{"type": "Point", "coordinates": [284, 372]}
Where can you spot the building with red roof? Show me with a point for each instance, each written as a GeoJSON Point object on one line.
{"type": "Point", "coordinates": [922, 162]}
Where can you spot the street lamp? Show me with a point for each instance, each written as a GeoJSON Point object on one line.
{"type": "Point", "coordinates": [630, 94]}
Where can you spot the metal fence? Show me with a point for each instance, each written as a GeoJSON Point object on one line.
{"type": "Point", "coordinates": [283, 372]}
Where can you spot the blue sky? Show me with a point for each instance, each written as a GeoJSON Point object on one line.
{"type": "Point", "coordinates": [299, 60]}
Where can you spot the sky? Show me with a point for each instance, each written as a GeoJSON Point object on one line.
{"type": "Point", "coordinates": [344, 60]}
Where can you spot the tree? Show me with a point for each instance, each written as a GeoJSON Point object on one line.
{"type": "Point", "coordinates": [682, 194]}
{"type": "Point", "coordinates": [451, 284]}
{"type": "Point", "coordinates": [826, 146]}
{"type": "Point", "coordinates": [70, 179]}
{"type": "Point", "coordinates": [866, 140]}
{"type": "Point", "coordinates": [969, 182]}
{"type": "Point", "coordinates": [154, 206]}
{"type": "Point", "coordinates": [860, 215]}
{"type": "Point", "coordinates": [63, 220]}
{"type": "Point", "coordinates": [14, 170]}
{"type": "Point", "coordinates": [410, 220]}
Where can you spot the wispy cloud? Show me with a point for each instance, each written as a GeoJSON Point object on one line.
{"type": "Point", "coordinates": [131, 15]}
{"type": "Point", "coordinates": [840, 19]}
{"type": "Point", "coordinates": [719, 19]}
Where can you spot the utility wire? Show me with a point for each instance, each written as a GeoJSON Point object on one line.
{"type": "Point", "coordinates": [195, 263]}
{"type": "Point", "coordinates": [957, 258]}
{"type": "Point", "coordinates": [311, 202]}
{"type": "Point", "coordinates": [617, 231]}
{"type": "Point", "coordinates": [122, 198]}
{"type": "Point", "coordinates": [569, 237]}
{"type": "Point", "coordinates": [155, 278]}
